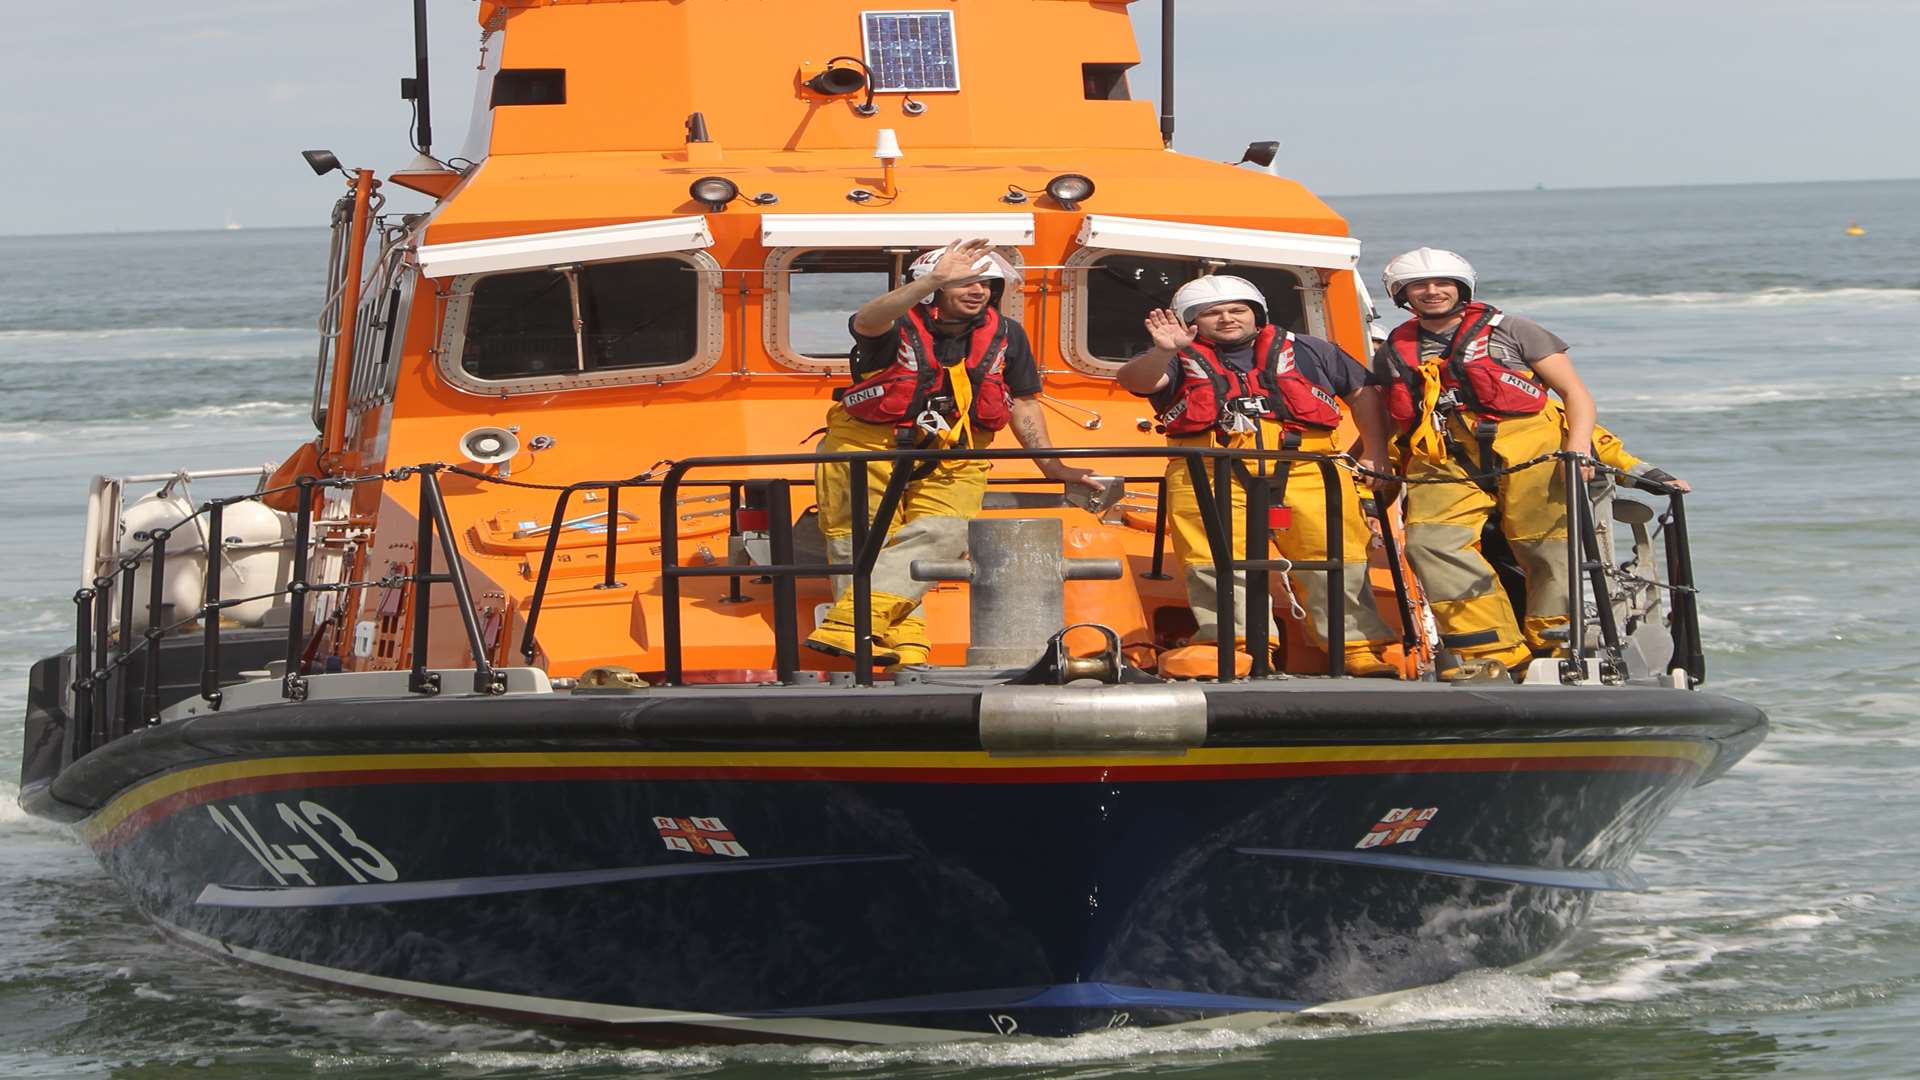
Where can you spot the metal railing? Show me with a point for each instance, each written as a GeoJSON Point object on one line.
{"type": "Point", "coordinates": [1212, 470]}
{"type": "Point", "coordinates": [1588, 568]}
{"type": "Point", "coordinates": [101, 662]}
{"type": "Point", "coordinates": [97, 720]}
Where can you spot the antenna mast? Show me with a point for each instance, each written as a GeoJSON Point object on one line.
{"type": "Point", "coordinates": [1166, 73]}
{"type": "Point", "coordinates": [415, 88]}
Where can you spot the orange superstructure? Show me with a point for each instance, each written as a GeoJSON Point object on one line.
{"type": "Point", "coordinates": [719, 328]}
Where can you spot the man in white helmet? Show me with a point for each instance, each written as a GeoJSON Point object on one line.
{"type": "Point", "coordinates": [934, 364]}
{"type": "Point", "coordinates": [1467, 388]}
{"type": "Point", "coordinates": [1219, 374]}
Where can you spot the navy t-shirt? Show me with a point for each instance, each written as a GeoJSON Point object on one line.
{"type": "Point", "coordinates": [1323, 363]}
{"type": "Point", "coordinates": [871, 352]}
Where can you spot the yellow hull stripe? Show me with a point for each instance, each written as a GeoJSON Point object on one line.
{"type": "Point", "coordinates": [135, 799]}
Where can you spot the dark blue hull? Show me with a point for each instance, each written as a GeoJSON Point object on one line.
{"type": "Point", "coordinates": [679, 892]}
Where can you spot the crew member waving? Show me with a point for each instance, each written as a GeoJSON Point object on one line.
{"type": "Point", "coordinates": [1220, 374]}
{"type": "Point", "coordinates": [935, 365]}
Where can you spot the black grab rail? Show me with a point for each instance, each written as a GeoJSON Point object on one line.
{"type": "Point", "coordinates": [869, 535]}
{"type": "Point", "coordinates": [102, 698]}
{"type": "Point", "coordinates": [1587, 568]}
{"type": "Point", "coordinates": [102, 708]}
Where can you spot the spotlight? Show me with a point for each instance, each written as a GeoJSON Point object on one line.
{"type": "Point", "coordinates": [1068, 189]}
{"type": "Point", "coordinates": [1260, 153]}
{"type": "Point", "coordinates": [715, 191]}
{"type": "Point", "coordinates": [321, 162]}
{"type": "Point", "coordinates": [837, 82]}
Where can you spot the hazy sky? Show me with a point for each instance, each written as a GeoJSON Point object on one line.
{"type": "Point", "coordinates": [143, 114]}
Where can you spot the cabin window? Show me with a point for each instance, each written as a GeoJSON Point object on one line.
{"type": "Point", "coordinates": [813, 295]}
{"type": "Point", "coordinates": [529, 86]}
{"type": "Point", "coordinates": [1113, 291]}
{"type": "Point", "coordinates": [824, 288]}
{"type": "Point", "coordinates": [641, 320]}
{"type": "Point", "coordinates": [1105, 82]}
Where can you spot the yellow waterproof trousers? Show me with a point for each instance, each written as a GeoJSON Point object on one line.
{"type": "Point", "coordinates": [1444, 521]}
{"type": "Point", "coordinates": [931, 522]}
{"type": "Point", "coordinates": [1303, 539]}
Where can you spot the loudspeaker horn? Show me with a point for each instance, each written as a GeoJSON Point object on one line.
{"type": "Point", "coordinates": [489, 445]}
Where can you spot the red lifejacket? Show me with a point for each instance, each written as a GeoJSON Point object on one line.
{"type": "Point", "coordinates": [1469, 374]}
{"type": "Point", "coordinates": [1209, 393]}
{"type": "Point", "coordinates": [898, 393]}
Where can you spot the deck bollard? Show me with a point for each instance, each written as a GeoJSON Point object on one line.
{"type": "Point", "coordinates": [1018, 570]}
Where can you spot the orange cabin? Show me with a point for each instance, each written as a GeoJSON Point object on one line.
{"type": "Point", "coordinates": [712, 319]}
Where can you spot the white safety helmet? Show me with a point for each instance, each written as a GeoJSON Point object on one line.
{"type": "Point", "coordinates": [991, 269]}
{"type": "Point", "coordinates": [1421, 264]}
{"type": "Point", "coordinates": [1202, 293]}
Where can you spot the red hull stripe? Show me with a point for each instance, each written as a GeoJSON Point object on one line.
{"type": "Point", "coordinates": [109, 829]}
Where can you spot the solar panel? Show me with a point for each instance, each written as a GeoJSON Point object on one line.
{"type": "Point", "coordinates": [911, 51]}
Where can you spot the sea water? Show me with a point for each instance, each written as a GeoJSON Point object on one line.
{"type": "Point", "coordinates": [1734, 335]}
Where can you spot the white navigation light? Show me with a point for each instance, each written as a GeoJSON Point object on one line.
{"type": "Point", "coordinates": [911, 51]}
{"type": "Point", "coordinates": [886, 146]}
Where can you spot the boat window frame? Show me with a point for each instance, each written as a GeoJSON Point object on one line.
{"type": "Point", "coordinates": [710, 334]}
{"type": "Point", "coordinates": [776, 311]}
{"type": "Point", "coordinates": [1075, 301]}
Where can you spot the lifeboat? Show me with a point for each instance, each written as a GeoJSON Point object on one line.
{"type": "Point", "coordinates": [494, 696]}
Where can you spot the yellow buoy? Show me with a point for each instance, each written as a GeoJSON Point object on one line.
{"type": "Point", "coordinates": [1854, 229]}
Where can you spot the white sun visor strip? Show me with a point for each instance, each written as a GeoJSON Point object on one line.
{"type": "Point", "coordinates": [893, 230]}
{"type": "Point", "coordinates": [1151, 237]}
{"type": "Point", "coordinates": [568, 246]}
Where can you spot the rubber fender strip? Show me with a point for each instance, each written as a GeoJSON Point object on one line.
{"type": "Point", "coordinates": [298, 896]}
{"type": "Point", "coordinates": [1616, 879]}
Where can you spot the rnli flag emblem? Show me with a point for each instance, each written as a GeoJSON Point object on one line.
{"type": "Point", "coordinates": [698, 835]}
{"type": "Point", "coordinates": [1401, 825]}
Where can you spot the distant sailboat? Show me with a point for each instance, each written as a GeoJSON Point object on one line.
{"type": "Point", "coordinates": [232, 224]}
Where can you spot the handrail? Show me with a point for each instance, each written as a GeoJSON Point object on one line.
{"type": "Point", "coordinates": [869, 537]}
{"type": "Point", "coordinates": [100, 693]}
{"type": "Point", "coordinates": [101, 715]}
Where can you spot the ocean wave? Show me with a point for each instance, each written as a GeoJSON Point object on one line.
{"type": "Point", "coordinates": [54, 436]}
{"type": "Point", "coordinates": [263, 353]}
{"type": "Point", "coordinates": [141, 331]}
{"type": "Point", "coordinates": [1724, 398]}
{"type": "Point", "coordinates": [1774, 297]}
{"type": "Point", "coordinates": [14, 820]}
{"type": "Point", "coordinates": [237, 408]}
{"type": "Point", "coordinates": [1120, 1046]}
